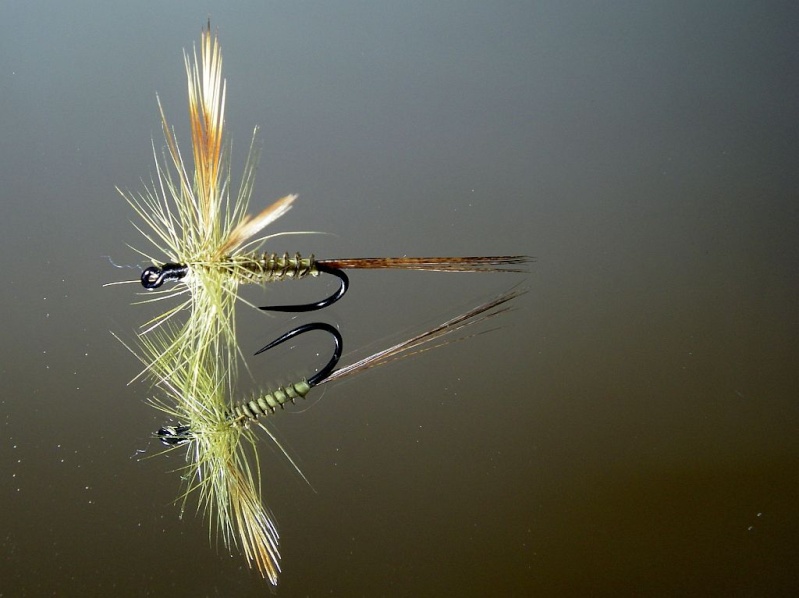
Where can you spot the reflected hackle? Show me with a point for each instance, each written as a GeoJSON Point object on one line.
{"type": "Point", "coordinates": [218, 432]}
{"type": "Point", "coordinates": [222, 465]}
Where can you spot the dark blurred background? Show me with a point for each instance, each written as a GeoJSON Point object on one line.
{"type": "Point", "coordinates": [631, 428]}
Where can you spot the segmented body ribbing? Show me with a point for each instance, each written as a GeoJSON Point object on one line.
{"type": "Point", "coordinates": [270, 267]}
{"type": "Point", "coordinates": [267, 404]}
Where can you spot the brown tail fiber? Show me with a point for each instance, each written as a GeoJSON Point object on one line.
{"type": "Point", "coordinates": [502, 263]}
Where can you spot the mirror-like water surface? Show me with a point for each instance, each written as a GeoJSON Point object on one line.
{"type": "Point", "coordinates": [630, 429]}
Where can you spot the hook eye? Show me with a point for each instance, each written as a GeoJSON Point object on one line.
{"type": "Point", "coordinates": [338, 341]}
{"type": "Point", "coordinates": [153, 277]}
{"type": "Point", "coordinates": [174, 435]}
{"type": "Point", "coordinates": [326, 302]}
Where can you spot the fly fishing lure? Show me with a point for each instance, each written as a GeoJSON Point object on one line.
{"type": "Point", "coordinates": [219, 434]}
{"type": "Point", "coordinates": [212, 246]}
{"type": "Point", "coordinates": [211, 243]}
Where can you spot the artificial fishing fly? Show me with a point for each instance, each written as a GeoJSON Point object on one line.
{"type": "Point", "coordinates": [219, 437]}
{"type": "Point", "coordinates": [212, 246]}
{"type": "Point", "coordinates": [210, 240]}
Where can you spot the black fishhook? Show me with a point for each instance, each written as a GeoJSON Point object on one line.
{"type": "Point", "coordinates": [153, 277]}
{"type": "Point", "coordinates": [325, 371]}
{"type": "Point", "coordinates": [345, 283]}
{"type": "Point", "coordinates": [177, 435]}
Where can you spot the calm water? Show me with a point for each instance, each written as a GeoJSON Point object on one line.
{"type": "Point", "coordinates": [631, 429]}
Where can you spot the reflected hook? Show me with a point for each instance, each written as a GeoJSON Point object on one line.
{"type": "Point", "coordinates": [345, 283]}
{"type": "Point", "coordinates": [325, 371]}
{"type": "Point", "coordinates": [153, 277]}
{"type": "Point", "coordinates": [173, 436]}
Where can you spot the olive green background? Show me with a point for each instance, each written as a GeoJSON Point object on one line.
{"type": "Point", "coordinates": [631, 428]}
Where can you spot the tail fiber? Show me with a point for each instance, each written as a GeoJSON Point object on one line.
{"type": "Point", "coordinates": [502, 263]}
